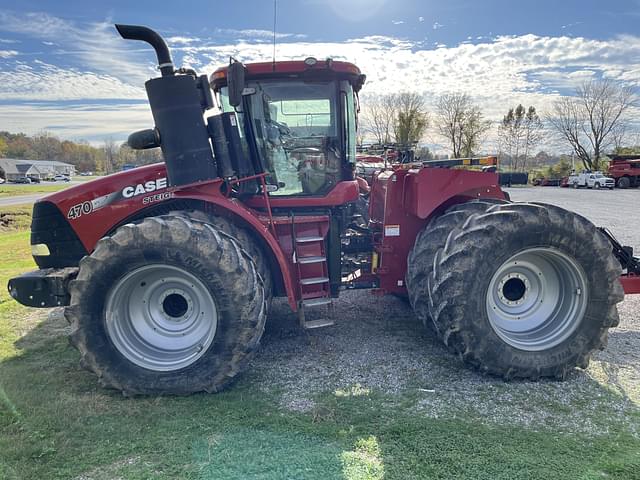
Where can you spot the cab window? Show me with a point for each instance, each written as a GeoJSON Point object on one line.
{"type": "Point", "coordinates": [298, 133]}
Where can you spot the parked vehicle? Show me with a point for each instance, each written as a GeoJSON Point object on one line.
{"type": "Point", "coordinates": [61, 178]}
{"type": "Point", "coordinates": [625, 170]}
{"type": "Point", "coordinates": [21, 180]}
{"type": "Point", "coordinates": [547, 182]}
{"type": "Point", "coordinates": [591, 180]}
{"type": "Point", "coordinates": [34, 178]}
{"type": "Point", "coordinates": [513, 178]}
{"type": "Point", "coordinates": [167, 271]}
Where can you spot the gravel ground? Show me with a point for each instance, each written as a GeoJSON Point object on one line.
{"type": "Point", "coordinates": [378, 345]}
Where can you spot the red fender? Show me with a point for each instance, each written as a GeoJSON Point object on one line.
{"type": "Point", "coordinates": [95, 208]}
{"type": "Point", "coordinates": [210, 194]}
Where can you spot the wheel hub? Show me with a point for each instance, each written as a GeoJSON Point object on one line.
{"type": "Point", "coordinates": [161, 317]}
{"type": "Point", "coordinates": [537, 298]}
{"type": "Point", "coordinates": [176, 304]}
{"type": "Point", "coordinates": [513, 289]}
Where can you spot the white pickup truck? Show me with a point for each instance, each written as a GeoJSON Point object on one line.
{"type": "Point", "coordinates": [591, 180]}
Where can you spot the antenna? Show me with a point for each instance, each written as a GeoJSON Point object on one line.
{"type": "Point", "coordinates": [275, 12]}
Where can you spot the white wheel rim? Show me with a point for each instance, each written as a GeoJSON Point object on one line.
{"type": "Point", "coordinates": [537, 298]}
{"type": "Point", "coordinates": [161, 317]}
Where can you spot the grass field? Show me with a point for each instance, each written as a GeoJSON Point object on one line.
{"type": "Point", "coordinates": [15, 190]}
{"type": "Point", "coordinates": [57, 423]}
{"type": "Point", "coordinates": [12, 189]}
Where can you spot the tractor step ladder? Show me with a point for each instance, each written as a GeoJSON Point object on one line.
{"type": "Point", "coordinates": [313, 275]}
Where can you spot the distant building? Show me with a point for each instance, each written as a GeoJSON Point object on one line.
{"type": "Point", "coordinates": [13, 169]}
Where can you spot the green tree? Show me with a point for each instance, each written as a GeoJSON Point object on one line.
{"type": "Point", "coordinates": [411, 119]}
{"type": "Point", "coordinates": [460, 122]}
{"type": "Point", "coordinates": [519, 132]}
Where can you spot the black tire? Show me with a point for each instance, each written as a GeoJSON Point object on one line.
{"type": "Point", "coordinates": [575, 185]}
{"type": "Point", "coordinates": [430, 239]}
{"type": "Point", "coordinates": [464, 267]}
{"type": "Point", "coordinates": [243, 237]}
{"type": "Point", "coordinates": [624, 182]}
{"type": "Point", "coordinates": [228, 275]}
{"type": "Point", "coordinates": [596, 186]}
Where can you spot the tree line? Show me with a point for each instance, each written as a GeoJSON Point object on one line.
{"type": "Point", "coordinates": [593, 122]}
{"type": "Point", "coordinates": [106, 158]}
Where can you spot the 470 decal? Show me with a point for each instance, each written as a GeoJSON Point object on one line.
{"type": "Point", "coordinates": [84, 208]}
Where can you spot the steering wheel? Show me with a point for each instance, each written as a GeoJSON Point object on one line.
{"type": "Point", "coordinates": [283, 128]}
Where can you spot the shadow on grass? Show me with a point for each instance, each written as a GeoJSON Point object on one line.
{"type": "Point", "coordinates": [57, 423]}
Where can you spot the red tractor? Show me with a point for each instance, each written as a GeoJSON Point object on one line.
{"type": "Point", "coordinates": [167, 271]}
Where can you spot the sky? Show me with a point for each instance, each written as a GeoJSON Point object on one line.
{"type": "Point", "coordinates": [64, 69]}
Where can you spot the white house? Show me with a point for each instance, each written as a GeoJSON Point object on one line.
{"type": "Point", "coordinates": [13, 169]}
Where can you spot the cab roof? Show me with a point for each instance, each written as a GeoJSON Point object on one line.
{"type": "Point", "coordinates": [321, 69]}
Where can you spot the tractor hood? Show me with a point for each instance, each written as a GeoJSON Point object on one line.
{"type": "Point", "coordinates": [111, 190]}
{"type": "Point", "coordinates": [94, 208]}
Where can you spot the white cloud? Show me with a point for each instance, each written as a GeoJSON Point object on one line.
{"type": "Point", "coordinates": [257, 34]}
{"type": "Point", "coordinates": [91, 122]}
{"type": "Point", "coordinates": [498, 73]}
{"type": "Point", "coordinates": [182, 40]}
{"type": "Point", "coordinates": [8, 53]}
{"type": "Point", "coordinates": [42, 81]}
{"type": "Point", "coordinates": [437, 25]}
{"type": "Point", "coordinates": [397, 22]}
{"type": "Point", "coordinates": [97, 46]}
{"type": "Point", "coordinates": [421, 19]}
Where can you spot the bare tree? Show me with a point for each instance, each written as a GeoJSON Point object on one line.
{"type": "Point", "coordinates": [474, 129]}
{"type": "Point", "coordinates": [411, 119]}
{"type": "Point", "coordinates": [400, 118]}
{"type": "Point", "coordinates": [619, 136]}
{"type": "Point", "coordinates": [532, 133]}
{"type": "Point", "coordinates": [450, 111]}
{"type": "Point", "coordinates": [378, 114]}
{"type": "Point", "coordinates": [461, 123]}
{"type": "Point", "coordinates": [110, 155]}
{"type": "Point", "coordinates": [589, 120]}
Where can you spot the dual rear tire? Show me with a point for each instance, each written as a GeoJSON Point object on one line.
{"type": "Point", "coordinates": [519, 290]}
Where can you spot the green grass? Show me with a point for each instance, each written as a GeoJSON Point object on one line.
{"type": "Point", "coordinates": [15, 218]}
{"type": "Point", "coordinates": [12, 190]}
{"type": "Point", "coordinates": [15, 190]}
{"type": "Point", "coordinates": [56, 422]}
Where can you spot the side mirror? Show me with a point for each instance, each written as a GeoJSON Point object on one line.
{"type": "Point", "coordinates": [235, 82]}
{"type": "Point", "coordinates": [143, 139]}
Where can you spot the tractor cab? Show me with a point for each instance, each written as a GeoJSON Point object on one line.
{"type": "Point", "coordinates": [296, 119]}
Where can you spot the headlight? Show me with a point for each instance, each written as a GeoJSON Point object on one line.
{"type": "Point", "coordinates": [40, 250]}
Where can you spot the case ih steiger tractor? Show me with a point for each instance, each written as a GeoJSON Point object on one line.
{"type": "Point", "coordinates": [167, 271]}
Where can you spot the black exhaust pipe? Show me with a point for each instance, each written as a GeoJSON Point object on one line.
{"type": "Point", "coordinates": [177, 106]}
{"type": "Point", "coordinates": [145, 34]}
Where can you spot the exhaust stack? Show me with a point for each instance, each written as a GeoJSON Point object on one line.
{"type": "Point", "coordinates": [145, 34]}
{"type": "Point", "coordinates": [177, 103]}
